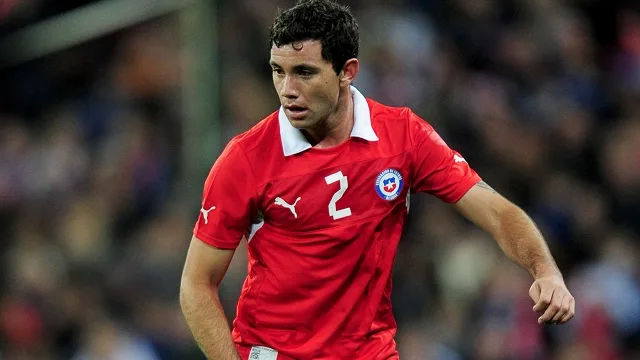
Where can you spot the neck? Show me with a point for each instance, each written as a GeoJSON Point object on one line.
{"type": "Point", "coordinates": [338, 126]}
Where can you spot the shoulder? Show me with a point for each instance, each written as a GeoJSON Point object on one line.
{"type": "Point", "coordinates": [397, 121]}
{"type": "Point", "coordinates": [394, 116]}
{"type": "Point", "coordinates": [381, 112]}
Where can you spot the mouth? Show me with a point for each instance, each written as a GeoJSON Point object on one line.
{"type": "Point", "coordinates": [295, 112]}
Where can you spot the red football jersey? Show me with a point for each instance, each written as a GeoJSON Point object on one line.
{"type": "Point", "coordinates": [323, 226]}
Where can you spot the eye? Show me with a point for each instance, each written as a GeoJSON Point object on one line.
{"type": "Point", "coordinates": [278, 71]}
{"type": "Point", "coordinates": [306, 73]}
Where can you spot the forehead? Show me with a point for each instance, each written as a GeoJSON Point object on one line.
{"type": "Point", "coordinates": [307, 51]}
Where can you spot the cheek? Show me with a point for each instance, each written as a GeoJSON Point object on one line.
{"type": "Point", "coordinates": [276, 82]}
{"type": "Point", "coordinates": [327, 93]}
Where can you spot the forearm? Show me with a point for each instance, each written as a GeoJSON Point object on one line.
{"type": "Point", "coordinates": [523, 243]}
{"type": "Point", "coordinates": [206, 319]}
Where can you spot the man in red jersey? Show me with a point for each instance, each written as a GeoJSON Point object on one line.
{"type": "Point", "coordinates": [320, 190]}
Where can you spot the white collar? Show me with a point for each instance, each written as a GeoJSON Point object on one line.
{"type": "Point", "coordinates": [293, 142]}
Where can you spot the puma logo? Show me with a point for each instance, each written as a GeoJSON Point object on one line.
{"type": "Point", "coordinates": [458, 158]}
{"type": "Point", "coordinates": [283, 203]}
{"type": "Point", "coordinates": [205, 214]}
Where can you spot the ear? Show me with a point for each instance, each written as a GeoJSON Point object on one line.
{"type": "Point", "coordinates": [349, 72]}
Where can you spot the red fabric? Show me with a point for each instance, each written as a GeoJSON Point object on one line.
{"type": "Point", "coordinates": [318, 286]}
{"type": "Point", "coordinates": [21, 324]}
{"type": "Point", "coordinates": [228, 200]}
{"type": "Point", "coordinates": [598, 335]}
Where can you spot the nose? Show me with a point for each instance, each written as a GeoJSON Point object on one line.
{"type": "Point", "coordinates": [288, 88]}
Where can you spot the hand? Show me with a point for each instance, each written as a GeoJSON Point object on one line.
{"type": "Point", "coordinates": [551, 296]}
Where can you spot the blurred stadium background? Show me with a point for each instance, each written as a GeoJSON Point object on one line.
{"type": "Point", "coordinates": [112, 112]}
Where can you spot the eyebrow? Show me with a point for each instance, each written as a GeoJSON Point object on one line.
{"type": "Point", "coordinates": [297, 67]}
{"type": "Point", "coordinates": [305, 67]}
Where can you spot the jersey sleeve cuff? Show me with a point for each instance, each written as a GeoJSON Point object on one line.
{"type": "Point", "coordinates": [219, 243]}
{"type": "Point", "coordinates": [462, 189]}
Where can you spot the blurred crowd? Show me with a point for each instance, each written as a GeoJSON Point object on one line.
{"type": "Point", "coordinates": [542, 97]}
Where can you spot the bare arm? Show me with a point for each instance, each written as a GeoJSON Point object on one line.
{"type": "Point", "coordinates": [204, 269]}
{"type": "Point", "coordinates": [510, 226]}
{"type": "Point", "coordinates": [523, 243]}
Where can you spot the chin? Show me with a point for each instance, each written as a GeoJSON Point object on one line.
{"type": "Point", "coordinates": [301, 124]}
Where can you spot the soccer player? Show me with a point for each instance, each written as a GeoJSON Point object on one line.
{"type": "Point", "coordinates": [320, 190]}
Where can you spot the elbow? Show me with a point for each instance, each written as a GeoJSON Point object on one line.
{"type": "Point", "coordinates": [514, 225]}
{"type": "Point", "coordinates": [188, 290]}
{"type": "Point", "coordinates": [185, 291]}
{"type": "Point", "coordinates": [506, 216]}
{"type": "Point", "coordinates": [191, 289]}
{"type": "Point", "coordinates": [509, 211]}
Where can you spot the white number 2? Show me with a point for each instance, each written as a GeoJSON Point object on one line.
{"type": "Point", "coordinates": [344, 184]}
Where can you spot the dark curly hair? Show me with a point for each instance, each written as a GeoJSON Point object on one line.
{"type": "Point", "coordinates": [324, 20]}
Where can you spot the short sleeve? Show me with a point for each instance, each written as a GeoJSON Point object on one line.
{"type": "Point", "coordinates": [228, 200]}
{"type": "Point", "coordinates": [439, 170]}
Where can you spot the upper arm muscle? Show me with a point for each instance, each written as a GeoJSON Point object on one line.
{"type": "Point", "coordinates": [482, 205]}
{"type": "Point", "coordinates": [205, 264]}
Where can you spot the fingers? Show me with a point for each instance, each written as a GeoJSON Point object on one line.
{"type": "Point", "coordinates": [544, 300]}
{"type": "Point", "coordinates": [552, 308]}
{"type": "Point", "coordinates": [560, 309]}
{"type": "Point", "coordinates": [571, 312]}
{"type": "Point", "coordinates": [552, 298]}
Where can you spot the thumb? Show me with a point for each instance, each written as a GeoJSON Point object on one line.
{"type": "Point", "coordinates": [534, 291]}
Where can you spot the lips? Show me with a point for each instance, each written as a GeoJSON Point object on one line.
{"type": "Point", "coordinates": [295, 111]}
{"type": "Point", "coordinates": [295, 107]}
